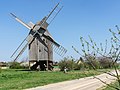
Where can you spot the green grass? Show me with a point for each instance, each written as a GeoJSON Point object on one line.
{"type": "Point", "coordinates": [115, 84]}
{"type": "Point", "coordinates": [18, 79]}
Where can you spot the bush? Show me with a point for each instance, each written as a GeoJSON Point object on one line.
{"type": "Point", "coordinates": [79, 65]}
{"type": "Point", "coordinates": [66, 62]}
{"type": "Point", "coordinates": [0, 70]}
{"type": "Point", "coordinates": [71, 64]}
{"type": "Point", "coordinates": [106, 62]}
{"type": "Point", "coordinates": [15, 65]}
{"type": "Point", "coordinates": [92, 62]}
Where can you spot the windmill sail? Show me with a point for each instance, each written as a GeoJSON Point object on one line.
{"type": "Point", "coordinates": [20, 53]}
{"type": "Point", "coordinates": [61, 51]}
{"type": "Point", "coordinates": [24, 48]}
{"type": "Point", "coordinates": [18, 47]}
{"type": "Point", "coordinates": [50, 39]}
{"type": "Point", "coordinates": [20, 21]}
{"type": "Point", "coordinates": [58, 49]}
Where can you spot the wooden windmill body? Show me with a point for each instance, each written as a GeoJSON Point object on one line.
{"type": "Point", "coordinates": [40, 49]}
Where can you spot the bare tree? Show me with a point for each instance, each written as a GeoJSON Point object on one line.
{"type": "Point", "coordinates": [102, 52]}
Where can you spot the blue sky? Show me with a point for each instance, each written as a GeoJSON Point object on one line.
{"type": "Point", "coordinates": [77, 18]}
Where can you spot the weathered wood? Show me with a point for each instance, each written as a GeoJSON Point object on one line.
{"type": "Point", "coordinates": [40, 48]}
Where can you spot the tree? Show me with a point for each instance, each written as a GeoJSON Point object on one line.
{"type": "Point", "coordinates": [109, 56]}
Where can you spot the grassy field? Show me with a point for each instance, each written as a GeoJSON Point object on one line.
{"type": "Point", "coordinates": [110, 88]}
{"type": "Point", "coordinates": [21, 79]}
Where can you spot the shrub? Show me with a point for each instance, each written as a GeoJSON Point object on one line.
{"type": "Point", "coordinates": [106, 62]}
{"type": "Point", "coordinates": [66, 62]}
{"type": "Point", "coordinates": [0, 70]}
{"type": "Point", "coordinates": [79, 65]}
{"type": "Point", "coordinates": [92, 62]}
{"type": "Point", "coordinates": [14, 65]}
{"type": "Point", "coordinates": [71, 64]}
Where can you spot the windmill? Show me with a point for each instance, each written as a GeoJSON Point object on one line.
{"type": "Point", "coordinates": [40, 42]}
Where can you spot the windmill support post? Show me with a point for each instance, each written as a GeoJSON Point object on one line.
{"type": "Point", "coordinates": [48, 58]}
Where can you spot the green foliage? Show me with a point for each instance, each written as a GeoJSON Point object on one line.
{"type": "Point", "coordinates": [89, 62]}
{"type": "Point", "coordinates": [79, 66]}
{"type": "Point", "coordinates": [92, 62]}
{"type": "Point", "coordinates": [66, 62]}
{"type": "Point", "coordinates": [71, 64]}
{"type": "Point", "coordinates": [115, 84]}
{"type": "Point", "coordinates": [0, 70]}
{"type": "Point", "coordinates": [16, 65]}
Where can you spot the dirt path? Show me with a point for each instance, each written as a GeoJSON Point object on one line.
{"type": "Point", "coordinates": [88, 83]}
